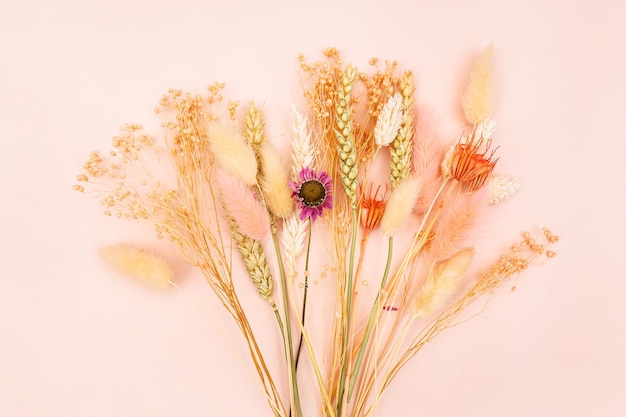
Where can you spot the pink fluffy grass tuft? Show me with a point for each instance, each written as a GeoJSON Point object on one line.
{"type": "Point", "coordinates": [243, 206]}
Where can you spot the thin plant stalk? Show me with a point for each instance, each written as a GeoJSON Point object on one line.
{"type": "Point", "coordinates": [346, 330]}
{"type": "Point", "coordinates": [306, 290]}
{"type": "Point", "coordinates": [289, 341]}
{"type": "Point", "coordinates": [370, 324]}
{"type": "Point", "coordinates": [307, 342]}
{"type": "Point", "coordinates": [420, 239]}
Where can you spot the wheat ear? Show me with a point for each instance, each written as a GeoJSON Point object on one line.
{"type": "Point", "coordinates": [254, 260]}
{"type": "Point", "coordinates": [344, 133]}
{"type": "Point", "coordinates": [302, 155]}
{"type": "Point", "coordinates": [401, 148]}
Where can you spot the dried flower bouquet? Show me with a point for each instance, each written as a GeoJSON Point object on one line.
{"type": "Point", "coordinates": [360, 169]}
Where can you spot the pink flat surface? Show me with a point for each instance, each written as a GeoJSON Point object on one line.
{"type": "Point", "coordinates": [76, 339]}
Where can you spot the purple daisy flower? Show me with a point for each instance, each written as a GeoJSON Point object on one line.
{"type": "Point", "coordinates": [313, 192]}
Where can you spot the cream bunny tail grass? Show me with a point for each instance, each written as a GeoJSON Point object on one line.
{"type": "Point", "coordinates": [477, 98]}
{"type": "Point", "coordinates": [275, 183]}
{"type": "Point", "coordinates": [140, 264]}
{"type": "Point", "coordinates": [443, 280]}
{"type": "Point", "coordinates": [232, 153]}
{"type": "Point", "coordinates": [501, 188]}
{"type": "Point", "coordinates": [242, 205]}
{"type": "Point", "coordinates": [388, 121]}
{"type": "Point", "coordinates": [303, 153]}
{"type": "Point", "coordinates": [400, 205]}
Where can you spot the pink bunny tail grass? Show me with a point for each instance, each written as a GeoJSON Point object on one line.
{"type": "Point", "coordinates": [242, 205]}
{"type": "Point", "coordinates": [428, 152]}
{"type": "Point", "coordinates": [456, 222]}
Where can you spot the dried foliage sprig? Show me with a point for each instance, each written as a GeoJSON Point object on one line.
{"type": "Point", "coordinates": [214, 183]}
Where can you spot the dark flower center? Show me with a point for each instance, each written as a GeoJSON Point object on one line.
{"type": "Point", "coordinates": [312, 193]}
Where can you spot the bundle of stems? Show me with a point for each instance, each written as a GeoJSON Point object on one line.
{"type": "Point", "coordinates": [223, 194]}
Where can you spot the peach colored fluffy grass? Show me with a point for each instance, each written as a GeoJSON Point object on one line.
{"type": "Point", "coordinates": [242, 205]}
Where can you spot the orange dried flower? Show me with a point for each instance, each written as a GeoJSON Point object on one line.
{"type": "Point", "coordinates": [373, 207]}
{"type": "Point", "coordinates": [471, 166]}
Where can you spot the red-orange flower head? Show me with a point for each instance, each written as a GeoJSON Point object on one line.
{"type": "Point", "coordinates": [470, 165]}
{"type": "Point", "coordinates": [373, 207]}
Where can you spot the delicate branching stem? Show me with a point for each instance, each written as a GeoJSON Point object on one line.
{"type": "Point", "coordinates": [372, 319]}
{"type": "Point", "coordinates": [306, 290]}
{"type": "Point", "coordinates": [347, 321]}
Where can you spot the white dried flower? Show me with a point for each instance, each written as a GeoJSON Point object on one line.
{"type": "Point", "coordinates": [293, 234]}
{"type": "Point", "coordinates": [486, 129]}
{"type": "Point", "coordinates": [501, 188]}
{"type": "Point", "coordinates": [388, 121]}
{"type": "Point", "coordinates": [445, 163]}
{"type": "Point", "coordinates": [303, 153]}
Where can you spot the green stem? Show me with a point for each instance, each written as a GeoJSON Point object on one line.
{"type": "Point", "coordinates": [288, 342]}
{"type": "Point", "coordinates": [370, 324]}
{"type": "Point", "coordinates": [306, 290]}
{"type": "Point", "coordinates": [346, 330]}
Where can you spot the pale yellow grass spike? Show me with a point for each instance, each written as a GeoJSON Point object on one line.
{"type": "Point", "coordinates": [477, 99]}
{"type": "Point", "coordinates": [232, 152]}
{"type": "Point", "coordinates": [143, 265]}
{"type": "Point", "coordinates": [275, 182]}
{"type": "Point", "coordinates": [442, 282]}
{"type": "Point", "coordinates": [400, 205]}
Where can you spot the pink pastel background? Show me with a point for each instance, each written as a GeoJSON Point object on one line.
{"type": "Point", "coordinates": [76, 339]}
